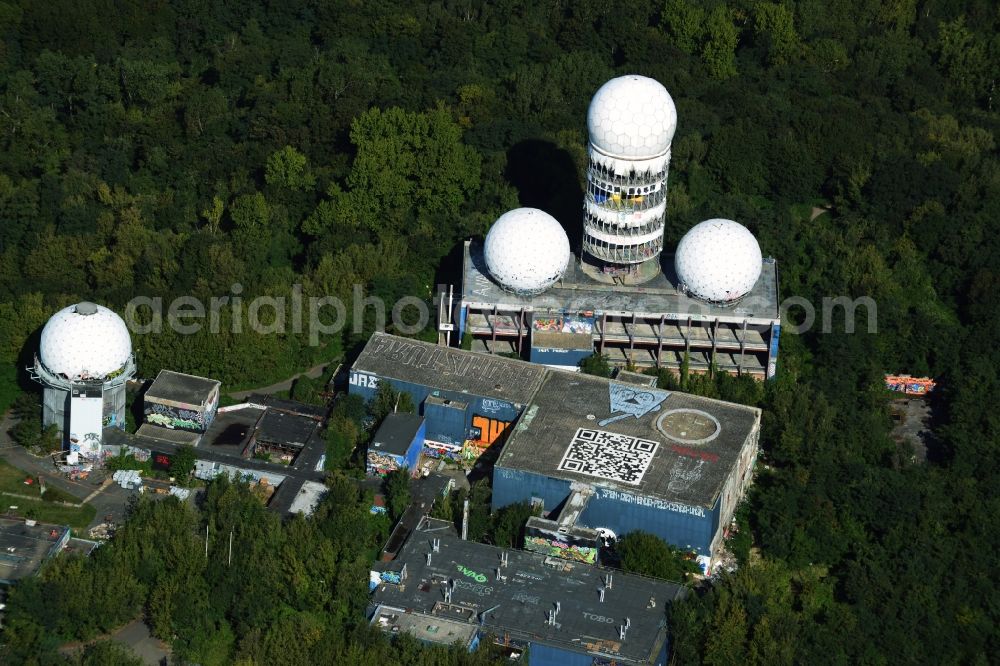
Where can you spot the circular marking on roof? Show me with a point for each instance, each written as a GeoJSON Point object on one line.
{"type": "Point", "coordinates": [689, 426]}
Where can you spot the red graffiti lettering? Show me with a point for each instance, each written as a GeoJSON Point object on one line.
{"type": "Point", "coordinates": [692, 453]}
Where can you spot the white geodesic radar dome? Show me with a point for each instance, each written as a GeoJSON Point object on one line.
{"type": "Point", "coordinates": [85, 341]}
{"type": "Point", "coordinates": [526, 250]}
{"type": "Point", "coordinates": [718, 260]}
{"type": "Point", "coordinates": [632, 117]}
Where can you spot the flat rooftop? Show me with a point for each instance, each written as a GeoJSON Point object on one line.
{"type": "Point", "coordinates": [671, 446]}
{"type": "Point", "coordinates": [530, 586]}
{"type": "Point", "coordinates": [396, 433]}
{"type": "Point", "coordinates": [307, 498]}
{"type": "Point", "coordinates": [150, 435]}
{"type": "Point", "coordinates": [450, 369]}
{"type": "Point", "coordinates": [231, 430]}
{"type": "Point", "coordinates": [438, 629]}
{"type": "Point", "coordinates": [285, 429]}
{"type": "Point", "coordinates": [24, 548]}
{"type": "Point", "coordinates": [578, 292]}
{"type": "Point", "coordinates": [182, 389]}
{"type": "Point", "coordinates": [316, 412]}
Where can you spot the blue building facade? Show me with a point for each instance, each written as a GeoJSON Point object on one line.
{"type": "Point", "coordinates": [381, 461]}
{"type": "Point", "coordinates": [688, 527]}
{"type": "Point", "coordinates": [451, 417]}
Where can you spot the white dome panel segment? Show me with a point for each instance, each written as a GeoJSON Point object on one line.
{"type": "Point", "coordinates": [632, 117]}
{"type": "Point", "coordinates": [526, 251]}
{"type": "Point", "coordinates": [85, 342]}
{"type": "Point", "coordinates": [718, 261]}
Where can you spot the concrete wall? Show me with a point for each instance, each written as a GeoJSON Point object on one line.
{"type": "Point", "coordinates": [688, 527]}
{"type": "Point", "coordinates": [681, 525]}
{"type": "Point", "coordinates": [565, 357]}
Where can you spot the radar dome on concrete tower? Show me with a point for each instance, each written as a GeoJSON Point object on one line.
{"type": "Point", "coordinates": [85, 342]}
{"type": "Point", "coordinates": [718, 261]}
{"type": "Point", "coordinates": [526, 251]}
{"type": "Point", "coordinates": [632, 117]}
{"type": "Point", "coordinates": [631, 121]}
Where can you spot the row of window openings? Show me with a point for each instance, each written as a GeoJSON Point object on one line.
{"type": "Point", "coordinates": [591, 222]}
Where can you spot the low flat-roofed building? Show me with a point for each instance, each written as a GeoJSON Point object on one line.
{"type": "Point", "coordinates": [396, 444]}
{"type": "Point", "coordinates": [281, 434]}
{"type": "Point", "coordinates": [665, 462]}
{"type": "Point", "coordinates": [463, 396]}
{"type": "Point", "coordinates": [25, 547]}
{"type": "Point", "coordinates": [427, 628]}
{"type": "Point", "coordinates": [185, 402]}
{"type": "Point", "coordinates": [562, 612]}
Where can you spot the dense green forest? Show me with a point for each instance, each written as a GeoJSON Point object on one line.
{"type": "Point", "coordinates": [173, 148]}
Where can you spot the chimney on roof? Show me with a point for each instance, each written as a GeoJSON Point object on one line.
{"type": "Point", "coordinates": [436, 545]}
{"type": "Point", "coordinates": [602, 594]}
{"type": "Point", "coordinates": [428, 559]}
{"type": "Point", "coordinates": [607, 584]}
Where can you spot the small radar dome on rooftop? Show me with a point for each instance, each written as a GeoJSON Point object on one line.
{"type": "Point", "coordinates": [718, 261]}
{"type": "Point", "coordinates": [526, 251]}
{"type": "Point", "coordinates": [632, 117]}
{"type": "Point", "coordinates": [85, 342]}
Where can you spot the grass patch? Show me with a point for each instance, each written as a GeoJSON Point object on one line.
{"type": "Point", "coordinates": [12, 481]}
{"type": "Point", "coordinates": [47, 512]}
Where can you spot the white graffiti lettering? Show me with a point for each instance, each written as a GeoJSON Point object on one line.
{"type": "Point", "coordinates": [628, 498]}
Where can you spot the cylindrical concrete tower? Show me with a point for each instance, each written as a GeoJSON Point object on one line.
{"type": "Point", "coordinates": [84, 360]}
{"type": "Point", "coordinates": [631, 122]}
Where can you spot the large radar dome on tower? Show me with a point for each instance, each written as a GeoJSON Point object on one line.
{"type": "Point", "coordinates": [632, 117]}
{"type": "Point", "coordinates": [718, 261]}
{"type": "Point", "coordinates": [526, 251]}
{"type": "Point", "coordinates": [85, 342]}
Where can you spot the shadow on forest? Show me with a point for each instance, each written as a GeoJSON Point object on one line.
{"type": "Point", "coordinates": [546, 178]}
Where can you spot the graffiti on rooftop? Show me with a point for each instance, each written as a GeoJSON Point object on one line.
{"type": "Point", "coordinates": [608, 455]}
{"type": "Point", "coordinates": [488, 370]}
{"type": "Point", "coordinates": [626, 401]}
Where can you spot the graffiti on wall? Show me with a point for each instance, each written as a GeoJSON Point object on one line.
{"type": "Point", "coordinates": [168, 417]}
{"type": "Point", "coordinates": [486, 430]}
{"type": "Point", "coordinates": [550, 324]}
{"type": "Point", "coordinates": [381, 464]}
{"type": "Point", "coordinates": [652, 502]}
{"type": "Point", "coordinates": [363, 380]}
{"type": "Point", "coordinates": [442, 450]}
{"type": "Point", "coordinates": [556, 548]}
{"type": "Point", "coordinates": [584, 325]}
{"type": "Point", "coordinates": [492, 406]}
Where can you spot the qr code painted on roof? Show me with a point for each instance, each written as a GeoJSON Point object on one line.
{"type": "Point", "coordinates": [608, 455]}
